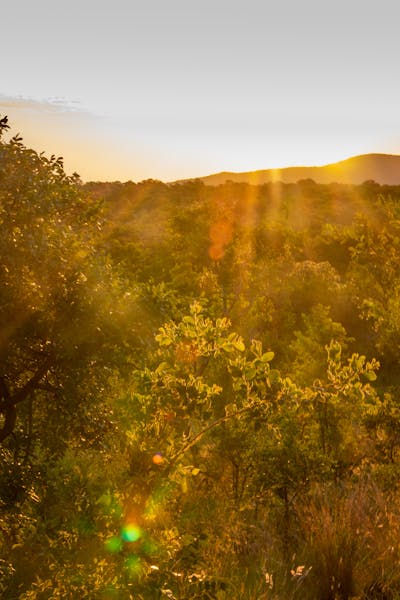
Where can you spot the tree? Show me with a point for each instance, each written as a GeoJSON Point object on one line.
{"type": "Point", "coordinates": [61, 307]}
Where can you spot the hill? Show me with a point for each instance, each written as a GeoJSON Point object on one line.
{"type": "Point", "coordinates": [382, 168]}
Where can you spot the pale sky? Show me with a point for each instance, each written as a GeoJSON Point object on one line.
{"type": "Point", "coordinates": [171, 89]}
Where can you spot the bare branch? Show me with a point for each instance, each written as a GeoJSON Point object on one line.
{"type": "Point", "coordinates": [32, 384]}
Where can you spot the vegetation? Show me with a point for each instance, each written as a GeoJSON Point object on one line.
{"type": "Point", "coordinates": [198, 388]}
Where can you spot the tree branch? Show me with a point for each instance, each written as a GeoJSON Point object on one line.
{"type": "Point", "coordinates": [31, 385]}
{"type": "Point", "coordinates": [201, 433]}
{"type": "Point", "coordinates": [7, 408]}
{"type": "Point", "coordinates": [8, 403]}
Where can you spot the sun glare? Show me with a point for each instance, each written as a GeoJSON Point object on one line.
{"type": "Point", "coordinates": [109, 148]}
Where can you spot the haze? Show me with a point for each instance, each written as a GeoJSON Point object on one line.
{"type": "Point", "coordinates": [171, 90]}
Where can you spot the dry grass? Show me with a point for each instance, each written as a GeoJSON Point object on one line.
{"type": "Point", "coordinates": [351, 539]}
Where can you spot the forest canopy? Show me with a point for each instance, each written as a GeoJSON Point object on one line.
{"type": "Point", "coordinates": [198, 387]}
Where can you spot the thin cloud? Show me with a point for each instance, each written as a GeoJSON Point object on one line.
{"type": "Point", "coordinates": [47, 105]}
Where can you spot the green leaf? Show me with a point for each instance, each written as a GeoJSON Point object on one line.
{"type": "Point", "coordinates": [370, 375]}
{"type": "Point", "coordinates": [188, 320]}
{"type": "Point", "coordinates": [228, 347]}
{"type": "Point", "coordinates": [267, 357]}
{"type": "Point", "coordinates": [163, 340]}
{"type": "Point", "coordinates": [239, 345]}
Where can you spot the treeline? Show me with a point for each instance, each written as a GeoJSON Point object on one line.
{"type": "Point", "coordinates": [198, 388]}
{"type": "Point", "coordinates": [269, 257]}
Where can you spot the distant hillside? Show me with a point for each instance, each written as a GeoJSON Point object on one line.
{"type": "Point", "coordinates": [382, 168]}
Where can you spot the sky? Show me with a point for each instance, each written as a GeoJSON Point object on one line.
{"type": "Point", "coordinates": [173, 89]}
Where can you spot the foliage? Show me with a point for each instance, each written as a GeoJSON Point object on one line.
{"type": "Point", "coordinates": [198, 388]}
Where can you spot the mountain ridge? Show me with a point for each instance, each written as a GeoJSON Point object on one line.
{"type": "Point", "coordinates": [381, 168]}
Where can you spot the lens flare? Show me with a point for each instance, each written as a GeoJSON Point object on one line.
{"type": "Point", "coordinates": [113, 544]}
{"type": "Point", "coordinates": [157, 458]}
{"type": "Point", "coordinates": [131, 533]}
{"type": "Point", "coordinates": [220, 234]}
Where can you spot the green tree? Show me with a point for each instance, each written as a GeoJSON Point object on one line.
{"type": "Point", "coordinates": [67, 328]}
{"type": "Point", "coordinates": [63, 310]}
